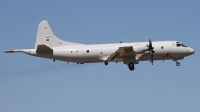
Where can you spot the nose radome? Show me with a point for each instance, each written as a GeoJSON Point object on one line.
{"type": "Point", "coordinates": [191, 51]}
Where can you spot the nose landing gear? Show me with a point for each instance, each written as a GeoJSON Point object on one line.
{"type": "Point", "coordinates": [177, 63]}
{"type": "Point", "coordinates": [131, 66]}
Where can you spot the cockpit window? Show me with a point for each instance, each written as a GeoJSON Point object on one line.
{"type": "Point", "coordinates": [178, 45]}
{"type": "Point", "coordinates": [183, 45]}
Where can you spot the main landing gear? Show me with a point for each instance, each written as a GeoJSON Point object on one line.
{"type": "Point", "coordinates": [106, 63]}
{"type": "Point", "coordinates": [131, 66]}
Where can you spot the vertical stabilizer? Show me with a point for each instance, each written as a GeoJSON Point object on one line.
{"type": "Point", "coordinates": [45, 36]}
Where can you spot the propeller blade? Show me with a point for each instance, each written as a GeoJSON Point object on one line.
{"type": "Point", "coordinates": [151, 51]}
{"type": "Point", "coordinates": [150, 43]}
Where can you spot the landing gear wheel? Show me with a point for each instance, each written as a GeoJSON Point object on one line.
{"type": "Point", "coordinates": [177, 64]}
{"type": "Point", "coordinates": [131, 66]}
{"type": "Point", "coordinates": [106, 63]}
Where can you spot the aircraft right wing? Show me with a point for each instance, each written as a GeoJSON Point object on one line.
{"type": "Point", "coordinates": [122, 53]}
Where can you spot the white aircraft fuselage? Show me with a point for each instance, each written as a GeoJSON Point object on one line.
{"type": "Point", "coordinates": [51, 47]}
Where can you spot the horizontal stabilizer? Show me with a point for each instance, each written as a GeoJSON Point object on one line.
{"type": "Point", "coordinates": [43, 48]}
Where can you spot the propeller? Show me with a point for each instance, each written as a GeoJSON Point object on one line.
{"type": "Point", "coordinates": [151, 51]}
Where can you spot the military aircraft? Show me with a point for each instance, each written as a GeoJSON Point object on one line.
{"type": "Point", "coordinates": [49, 46]}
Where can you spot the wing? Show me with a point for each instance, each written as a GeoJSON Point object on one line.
{"type": "Point", "coordinates": [122, 53]}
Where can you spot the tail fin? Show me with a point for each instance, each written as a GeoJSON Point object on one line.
{"type": "Point", "coordinates": [46, 37]}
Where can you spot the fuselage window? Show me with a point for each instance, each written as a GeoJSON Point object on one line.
{"type": "Point", "coordinates": [87, 51]}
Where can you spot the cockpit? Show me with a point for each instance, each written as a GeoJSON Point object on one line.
{"type": "Point", "coordinates": [179, 44]}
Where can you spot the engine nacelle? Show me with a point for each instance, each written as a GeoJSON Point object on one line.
{"type": "Point", "coordinates": [140, 49]}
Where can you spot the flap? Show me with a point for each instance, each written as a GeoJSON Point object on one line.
{"type": "Point", "coordinates": [43, 48]}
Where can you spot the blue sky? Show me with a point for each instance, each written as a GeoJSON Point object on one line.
{"type": "Point", "coordinates": [29, 84]}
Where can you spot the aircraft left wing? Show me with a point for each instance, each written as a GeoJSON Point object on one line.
{"type": "Point", "coordinates": [122, 53]}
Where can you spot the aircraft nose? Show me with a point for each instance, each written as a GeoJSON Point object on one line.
{"type": "Point", "coordinates": [191, 51]}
